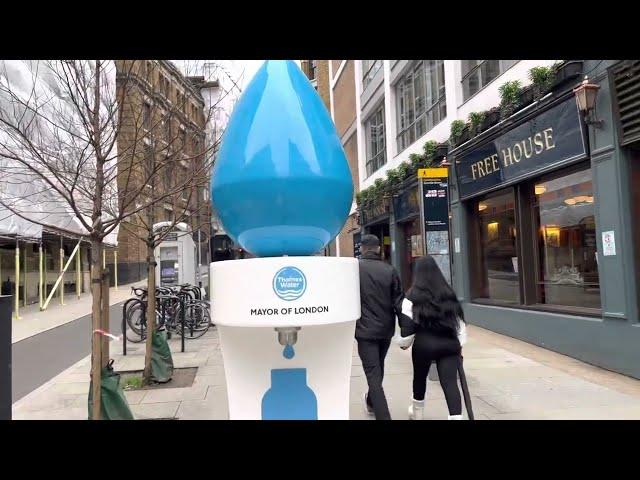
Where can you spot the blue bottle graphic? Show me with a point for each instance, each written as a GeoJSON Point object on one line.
{"type": "Point", "coordinates": [289, 397]}
{"type": "Point", "coordinates": [281, 184]}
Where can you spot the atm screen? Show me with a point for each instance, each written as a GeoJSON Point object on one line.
{"type": "Point", "coordinates": [168, 272]}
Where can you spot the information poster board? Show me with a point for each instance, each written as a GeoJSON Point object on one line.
{"type": "Point", "coordinates": [435, 198]}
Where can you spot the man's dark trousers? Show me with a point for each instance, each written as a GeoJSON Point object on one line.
{"type": "Point", "coordinates": [372, 353]}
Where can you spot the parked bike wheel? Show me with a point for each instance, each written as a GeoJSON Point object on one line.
{"type": "Point", "coordinates": [135, 315]}
{"type": "Point", "coordinates": [196, 322]}
{"type": "Point", "coordinates": [137, 321]}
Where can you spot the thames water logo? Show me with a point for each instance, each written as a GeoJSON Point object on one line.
{"type": "Point", "coordinates": [289, 283]}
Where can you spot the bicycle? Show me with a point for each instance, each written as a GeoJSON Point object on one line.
{"type": "Point", "coordinates": [170, 303]}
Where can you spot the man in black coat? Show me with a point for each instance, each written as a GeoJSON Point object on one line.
{"type": "Point", "coordinates": [381, 298]}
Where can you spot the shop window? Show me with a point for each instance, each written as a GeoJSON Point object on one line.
{"type": "Point", "coordinates": [497, 276]}
{"type": "Point", "coordinates": [567, 266]}
{"type": "Point", "coordinates": [554, 263]}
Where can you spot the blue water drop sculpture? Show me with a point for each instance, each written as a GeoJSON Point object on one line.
{"type": "Point", "coordinates": [281, 184]}
{"type": "Point", "coordinates": [288, 352]}
{"type": "Point", "coordinates": [289, 397]}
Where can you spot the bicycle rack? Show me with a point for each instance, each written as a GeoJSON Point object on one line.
{"type": "Point", "coordinates": [190, 292]}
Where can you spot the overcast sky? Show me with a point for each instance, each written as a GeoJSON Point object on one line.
{"type": "Point", "coordinates": [250, 68]}
{"type": "Point", "coordinates": [242, 71]}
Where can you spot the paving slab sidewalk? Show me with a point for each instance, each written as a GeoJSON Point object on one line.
{"type": "Point", "coordinates": [508, 379]}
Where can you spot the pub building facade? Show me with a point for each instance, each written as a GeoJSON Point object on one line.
{"type": "Point", "coordinates": [545, 210]}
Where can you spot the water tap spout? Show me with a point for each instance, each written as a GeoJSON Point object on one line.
{"type": "Point", "coordinates": [287, 336]}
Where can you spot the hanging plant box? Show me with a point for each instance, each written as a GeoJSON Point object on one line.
{"type": "Point", "coordinates": [567, 72]}
{"type": "Point", "coordinates": [526, 96]}
{"type": "Point", "coordinates": [490, 119]}
{"type": "Point", "coordinates": [464, 136]}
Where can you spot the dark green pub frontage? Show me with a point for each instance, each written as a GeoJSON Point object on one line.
{"type": "Point", "coordinates": [545, 222]}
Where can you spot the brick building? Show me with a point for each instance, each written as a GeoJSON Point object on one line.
{"type": "Point", "coordinates": [344, 116]}
{"type": "Point", "coordinates": [343, 112]}
{"type": "Point", "coordinates": [163, 113]}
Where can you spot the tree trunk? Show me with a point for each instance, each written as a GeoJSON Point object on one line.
{"type": "Point", "coordinates": [96, 323]}
{"type": "Point", "coordinates": [151, 312]}
{"type": "Point", "coordinates": [106, 326]}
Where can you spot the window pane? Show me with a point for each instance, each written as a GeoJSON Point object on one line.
{"type": "Point", "coordinates": [467, 66]}
{"type": "Point", "coordinates": [471, 84]}
{"type": "Point", "coordinates": [417, 95]}
{"type": "Point", "coordinates": [507, 64]}
{"type": "Point", "coordinates": [432, 83]}
{"type": "Point", "coordinates": [369, 70]}
{"type": "Point", "coordinates": [499, 279]}
{"type": "Point", "coordinates": [421, 128]}
{"type": "Point", "coordinates": [441, 78]}
{"type": "Point", "coordinates": [419, 90]}
{"type": "Point", "coordinates": [401, 106]}
{"type": "Point", "coordinates": [568, 263]}
{"type": "Point", "coordinates": [374, 128]}
{"type": "Point", "coordinates": [408, 99]}
{"type": "Point", "coordinates": [490, 70]}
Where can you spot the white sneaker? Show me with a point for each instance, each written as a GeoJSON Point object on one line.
{"type": "Point", "coordinates": [416, 409]}
{"type": "Point", "coordinates": [455, 417]}
{"type": "Point", "coordinates": [367, 409]}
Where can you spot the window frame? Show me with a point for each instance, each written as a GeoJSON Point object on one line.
{"type": "Point", "coordinates": [503, 66]}
{"type": "Point", "coordinates": [380, 156]}
{"type": "Point", "coordinates": [369, 74]}
{"type": "Point", "coordinates": [402, 133]}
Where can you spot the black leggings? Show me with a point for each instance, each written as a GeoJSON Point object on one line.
{"type": "Point", "coordinates": [445, 352]}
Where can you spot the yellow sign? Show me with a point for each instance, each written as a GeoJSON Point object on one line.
{"type": "Point", "coordinates": [441, 172]}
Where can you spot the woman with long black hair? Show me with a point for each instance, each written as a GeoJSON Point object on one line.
{"type": "Point", "coordinates": [437, 332]}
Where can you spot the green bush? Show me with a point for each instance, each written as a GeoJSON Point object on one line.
{"type": "Point", "coordinates": [457, 127]}
{"type": "Point", "coordinates": [542, 78]}
{"type": "Point", "coordinates": [509, 92]}
{"type": "Point", "coordinates": [509, 97]}
{"type": "Point", "coordinates": [403, 171]}
{"type": "Point", "coordinates": [429, 150]}
{"type": "Point", "coordinates": [378, 188]}
{"type": "Point", "coordinates": [476, 119]}
{"type": "Point", "coordinates": [365, 197]}
{"type": "Point", "coordinates": [416, 160]}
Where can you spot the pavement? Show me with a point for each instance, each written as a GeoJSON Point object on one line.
{"type": "Point", "coordinates": [508, 380]}
{"type": "Point", "coordinates": [47, 343]}
{"type": "Point", "coordinates": [33, 321]}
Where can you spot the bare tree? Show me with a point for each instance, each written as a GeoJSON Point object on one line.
{"type": "Point", "coordinates": [72, 143]}
{"type": "Point", "coordinates": [176, 162]}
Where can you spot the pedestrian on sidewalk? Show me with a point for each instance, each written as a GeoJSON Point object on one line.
{"type": "Point", "coordinates": [437, 331]}
{"type": "Point", "coordinates": [381, 298]}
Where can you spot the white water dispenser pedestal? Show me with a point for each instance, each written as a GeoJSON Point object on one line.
{"type": "Point", "coordinates": [286, 328]}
